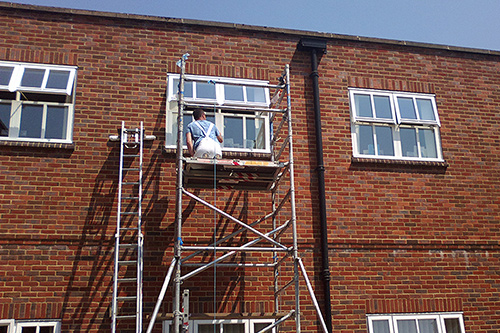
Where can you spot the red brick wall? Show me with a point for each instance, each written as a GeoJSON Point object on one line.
{"type": "Point", "coordinates": [402, 237]}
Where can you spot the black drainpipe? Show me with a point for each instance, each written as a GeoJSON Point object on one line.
{"type": "Point", "coordinates": [316, 46]}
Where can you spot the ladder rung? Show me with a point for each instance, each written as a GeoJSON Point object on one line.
{"type": "Point", "coordinates": [128, 245]}
{"type": "Point", "coordinates": [130, 155]}
{"type": "Point", "coordinates": [130, 183]}
{"type": "Point", "coordinates": [127, 280]}
{"type": "Point", "coordinates": [126, 298]}
{"type": "Point", "coordinates": [129, 229]}
{"type": "Point", "coordinates": [127, 262]}
{"type": "Point", "coordinates": [131, 169]}
{"type": "Point", "coordinates": [125, 317]}
{"type": "Point", "coordinates": [130, 198]}
{"type": "Point", "coordinates": [129, 213]}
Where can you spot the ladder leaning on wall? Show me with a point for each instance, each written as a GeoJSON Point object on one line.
{"type": "Point", "coordinates": [127, 282]}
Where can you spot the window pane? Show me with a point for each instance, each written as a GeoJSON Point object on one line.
{"type": "Point", "coordinates": [57, 120]}
{"type": "Point", "coordinates": [365, 140]}
{"type": "Point", "coordinates": [233, 132]}
{"type": "Point", "coordinates": [380, 326]}
{"type": "Point", "coordinates": [31, 121]}
{"type": "Point", "coordinates": [209, 328]}
{"type": "Point", "coordinates": [4, 329]}
{"type": "Point", "coordinates": [363, 105]}
{"type": "Point", "coordinates": [256, 94]}
{"type": "Point", "coordinates": [425, 109]}
{"type": "Point", "coordinates": [255, 133]}
{"type": "Point", "coordinates": [188, 88]}
{"type": "Point", "coordinates": [4, 119]}
{"type": "Point", "coordinates": [407, 326]}
{"type": "Point", "coordinates": [47, 329]}
{"type": "Point", "coordinates": [427, 143]}
{"type": "Point", "coordinates": [257, 327]}
{"type": "Point", "coordinates": [28, 330]}
{"type": "Point", "coordinates": [382, 107]}
{"type": "Point", "coordinates": [427, 326]}
{"type": "Point", "coordinates": [5, 75]}
{"type": "Point", "coordinates": [205, 90]}
{"type": "Point", "coordinates": [384, 140]}
{"type": "Point", "coordinates": [233, 93]}
{"type": "Point", "coordinates": [233, 328]}
{"type": "Point", "coordinates": [186, 120]}
{"type": "Point", "coordinates": [33, 77]}
{"type": "Point", "coordinates": [452, 325]}
{"type": "Point", "coordinates": [406, 108]}
{"type": "Point", "coordinates": [409, 142]}
{"type": "Point", "coordinates": [58, 79]}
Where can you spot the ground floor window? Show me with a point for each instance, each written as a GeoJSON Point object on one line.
{"type": "Point", "coordinates": [29, 326]}
{"type": "Point", "coordinates": [416, 323]}
{"type": "Point", "coordinates": [223, 326]}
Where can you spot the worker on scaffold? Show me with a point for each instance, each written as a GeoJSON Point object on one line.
{"type": "Point", "coordinates": [203, 138]}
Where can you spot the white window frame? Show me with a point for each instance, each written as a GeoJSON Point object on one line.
{"type": "Point", "coordinates": [396, 122]}
{"type": "Point", "coordinates": [248, 324]}
{"type": "Point", "coordinates": [392, 320]}
{"type": "Point", "coordinates": [17, 99]}
{"type": "Point", "coordinates": [219, 114]}
{"type": "Point", "coordinates": [9, 323]}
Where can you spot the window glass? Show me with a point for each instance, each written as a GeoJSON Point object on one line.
{"type": "Point", "coordinates": [452, 325]}
{"type": "Point", "coordinates": [234, 328]}
{"type": "Point", "coordinates": [233, 132]}
{"type": "Point", "coordinates": [427, 326]}
{"type": "Point", "coordinates": [57, 119]}
{"type": "Point", "coordinates": [205, 90]}
{"type": "Point", "coordinates": [407, 326]}
{"type": "Point", "coordinates": [209, 328]}
{"type": "Point", "coordinates": [363, 105]}
{"type": "Point", "coordinates": [28, 330]}
{"type": "Point", "coordinates": [427, 143]}
{"type": "Point", "coordinates": [4, 119]}
{"type": "Point", "coordinates": [406, 108]}
{"type": "Point", "coordinates": [409, 142]}
{"type": "Point", "coordinates": [382, 107]}
{"type": "Point", "coordinates": [4, 329]}
{"type": "Point", "coordinates": [58, 79]}
{"type": "Point", "coordinates": [381, 326]}
{"type": "Point", "coordinates": [233, 93]}
{"type": "Point", "coordinates": [425, 110]}
{"type": "Point", "coordinates": [257, 327]}
{"type": "Point", "coordinates": [5, 75]}
{"type": "Point", "coordinates": [33, 77]}
{"type": "Point", "coordinates": [365, 140]}
{"type": "Point", "coordinates": [188, 88]}
{"type": "Point", "coordinates": [385, 144]}
{"type": "Point", "coordinates": [255, 133]}
{"type": "Point", "coordinates": [31, 121]}
{"type": "Point", "coordinates": [256, 94]}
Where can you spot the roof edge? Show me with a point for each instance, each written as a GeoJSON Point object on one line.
{"type": "Point", "coordinates": [246, 27]}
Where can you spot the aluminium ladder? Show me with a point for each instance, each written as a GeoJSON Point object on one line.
{"type": "Point", "coordinates": [127, 283]}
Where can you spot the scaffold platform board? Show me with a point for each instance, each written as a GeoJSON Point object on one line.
{"type": "Point", "coordinates": [230, 173]}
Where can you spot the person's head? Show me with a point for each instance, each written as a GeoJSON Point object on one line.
{"type": "Point", "coordinates": [198, 114]}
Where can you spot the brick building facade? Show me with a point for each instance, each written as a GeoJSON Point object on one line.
{"type": "Point", "coordinates": [411, 148]}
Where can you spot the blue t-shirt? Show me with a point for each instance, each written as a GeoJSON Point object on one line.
{"type": "Point", "coordinates": [197, 134]}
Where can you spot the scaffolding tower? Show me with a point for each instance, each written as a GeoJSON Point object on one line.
{"type": "Point", "coordinates": [274, 176]}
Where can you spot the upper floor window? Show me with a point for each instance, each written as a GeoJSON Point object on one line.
{"type": "Point", "coordinates": [416, 323]}
{"type": "Point", "coordinates": [395, 125]}
{"type": "Point", "coordinates": [29, 326]}
{"type": "Point", "coordinates": [36, 102]}
{"type": "Point", "coordinates": [227, 103]}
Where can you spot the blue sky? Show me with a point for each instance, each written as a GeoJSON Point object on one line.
{"type": "Point", "coordinates": [464, 23]}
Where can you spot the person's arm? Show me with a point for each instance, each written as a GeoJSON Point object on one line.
{"type": "Point", "coordinates": [189, 142]}
{"type": "Point", "coordinates": [220, 138]}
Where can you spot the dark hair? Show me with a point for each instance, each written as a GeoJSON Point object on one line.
{"type": "Point", "coordinates": [198, 113]}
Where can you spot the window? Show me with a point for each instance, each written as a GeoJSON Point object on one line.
{"type": "Point", "coordinates": [395, 125]}
{"type": "Point", "coordinates": [223, 326]}
{"type": "Point", "coordinates": [227, 102]}
{"type": "Point", "coordinates": [416, 323]}
{"type": "Point", "coordinates": [36, 102]}
{"type": "Point", "coordinates": [29, 326]}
